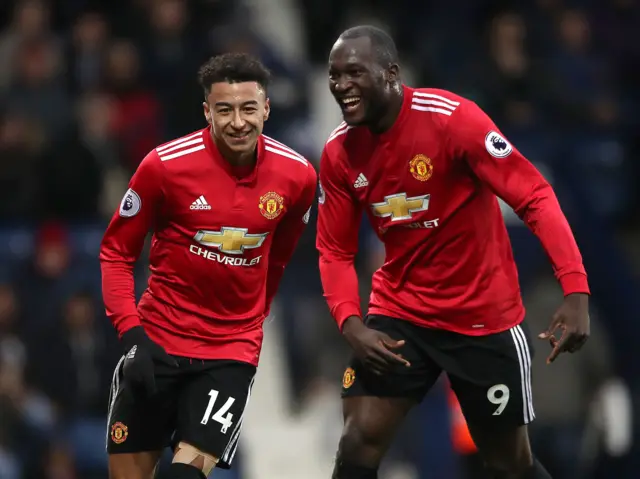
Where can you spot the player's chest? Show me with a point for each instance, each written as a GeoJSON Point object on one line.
{"type": "Point", "coordinates": [217, 200]}
{"type": "Point", "coordinates": [408, 175]}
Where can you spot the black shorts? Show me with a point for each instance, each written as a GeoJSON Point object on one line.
{"type": "Point", "coordinates": [491, 375]}
{"type": "Point", "coordinates": [202, 403]}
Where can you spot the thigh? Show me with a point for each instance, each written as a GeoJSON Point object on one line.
{"type": "Point", "coordinates": [137, 424]}
{"type": "Point", "coordinates": [402, 382]}
{"type": "Point", "coordinates": [370, 424]}
{"type": "Point", "coordinates": [211, 407]}
{"type": "Point", "coordinates": [491, 376]}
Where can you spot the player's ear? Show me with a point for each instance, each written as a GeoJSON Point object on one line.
{"type": "Point", "coordinates": [207, 111]}
{"type": "Point", "coordinates": [267, 109]}
{"type": "Point", "coordinates": [393, 73]}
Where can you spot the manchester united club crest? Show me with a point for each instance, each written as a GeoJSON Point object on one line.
{"type": "Point", "coordinates": [348, 378]}
{"type": "Point", "coordinates": [421, 167]}
{"type": "Point", "coordinates": [119, 433]}
{"type": "Point", "coordinates": [271, 205]}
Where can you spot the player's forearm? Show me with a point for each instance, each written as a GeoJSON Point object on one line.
{"type": "Point", "coordinates": [118, 286]}
{"type": "Point", "coordinates": [340, 284]}
{"type": "Point", "coordinates": [545, 218]}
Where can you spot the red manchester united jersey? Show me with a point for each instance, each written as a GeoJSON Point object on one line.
{"type": "Point", "coordinates": [220, 244]}
{"type": "Point", "coordinates": [429, 187]}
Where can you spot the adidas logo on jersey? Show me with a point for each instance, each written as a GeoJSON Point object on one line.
{"type": "Point", "coordinates": [361, 181]}
{"type": "Point", "coordinates": [200, 204]}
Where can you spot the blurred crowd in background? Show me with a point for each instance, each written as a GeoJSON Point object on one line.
{"type": "Point", "coordinates": [87, 88]}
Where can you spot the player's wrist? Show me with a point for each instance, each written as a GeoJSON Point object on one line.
{"type": "Point", "coordinates": [352, 325]}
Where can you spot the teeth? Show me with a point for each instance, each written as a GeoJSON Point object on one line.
{"type": "Point", "coordinates": [351, 100]}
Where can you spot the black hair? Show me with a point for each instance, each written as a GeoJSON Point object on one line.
{"type": "Point", "coordinates": [233, 68]}
{"type": "Point", "coordinates": [382, 43]}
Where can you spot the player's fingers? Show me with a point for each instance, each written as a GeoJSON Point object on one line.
{"type": "Point", "coordinates": [553, 327]}
{"type": "Point", "coordinates": [393, 358]}
{"type": "Point", "coordinates": [560, 346]}
{"type": "Point", "coordinates": [378, 359]}
{"type": "Point", "coordinates": [391, 343]}
{"type": "Point", "coordinates": [377, 364]}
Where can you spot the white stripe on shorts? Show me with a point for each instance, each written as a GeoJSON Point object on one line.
{"type": "Point", "coordinates": [230, 450]}
{"type": "Point", "coordinates": [113, 394]}
{"type": "Point", "coordinates": [524, 359]}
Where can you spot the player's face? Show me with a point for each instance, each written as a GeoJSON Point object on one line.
{"type": "Point", "coordinates": [237, 112]}
{"type": "Point", "coordinates": [356, 81]}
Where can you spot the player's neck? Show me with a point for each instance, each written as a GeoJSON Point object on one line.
{"type": "Point", "coordinates": [393, 111]}
{"type": "Point", "coordinates": [240, 159]}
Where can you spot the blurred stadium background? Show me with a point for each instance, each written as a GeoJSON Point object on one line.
{"type": "Point", "coordinates": [87, 88]}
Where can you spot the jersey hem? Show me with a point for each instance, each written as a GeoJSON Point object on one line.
{"type": "Point", "coordinates": [208, 357]}
{"type": "Point", "coordinates": [441, 325]}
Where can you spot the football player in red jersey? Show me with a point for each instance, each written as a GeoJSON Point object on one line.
{"type": "Point", "coordinates": [426, 166]}
{"type": "Point", "coordinates": [226, 205]}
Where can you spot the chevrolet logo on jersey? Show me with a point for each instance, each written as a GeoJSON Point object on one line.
{"type": "Point", "coordinates": [398, 207]}
{"type": "Point", "coordinates": [230, 240]}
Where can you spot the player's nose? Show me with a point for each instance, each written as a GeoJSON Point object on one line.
{"type": "Point", "coordinates": [238, 122]}
{"type": "Point", "coordinates": [342, 85]}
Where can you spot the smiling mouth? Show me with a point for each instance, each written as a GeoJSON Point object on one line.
{"type": "Point", "coordinates": [239, 136]}
{"type": "Point", "coordinates": [350, 104]}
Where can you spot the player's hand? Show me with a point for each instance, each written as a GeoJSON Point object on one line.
{"type": "Point", "coordinates": [141, 354]}
{"type": "Point", "coordinates": [373, 348]}
{"type": "Point", "coordinates": [572, 318]}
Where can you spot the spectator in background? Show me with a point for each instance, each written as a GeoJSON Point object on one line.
{"type": "Point", "coordinates": [19, 153]}
{"type": "Point", "coordinates": [69, 189]}
{"type": "Point", "coordinates": [59, 463]}
{"type": "Point", "coordinates": [86, 51]}
{"type": "Point", "coordinates": [578, 70]}
{"type": "Point", "coordinates": [78, 381]}
{"type": "Point", "coordinates": [170, 49]}
{"type": "Point", "coordinates": [137, 113]}
{"type": "Point", "coordinates": [95, 116]}
{"type": "Point", "coordinates": [31, 21]}
{"type": "Point", "coordinates": [46, 277]}
{"type": "Point", "coordinates": [38, 91]}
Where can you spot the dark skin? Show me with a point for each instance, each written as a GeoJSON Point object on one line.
{"type": "Point", "coordinates": [355, 73]}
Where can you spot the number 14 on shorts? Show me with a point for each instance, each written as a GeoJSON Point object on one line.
{"type": "Point", "coordinates": [219, 415]}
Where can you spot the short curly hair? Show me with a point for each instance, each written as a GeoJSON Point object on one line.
{"type": "Point", "coordinates": [233, 68]}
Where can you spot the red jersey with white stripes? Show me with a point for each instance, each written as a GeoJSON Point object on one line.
{"type": "Point", "coordinates": [220, 244]}
{"type": "Point", "coordinates": [429, 187]}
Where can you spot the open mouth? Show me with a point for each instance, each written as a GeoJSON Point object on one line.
{"type": "Point", "coordinates": [350, 104]}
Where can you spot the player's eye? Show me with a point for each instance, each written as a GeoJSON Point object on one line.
{"type": "Point", "coordinates": [250, 110]}
{"type": "Point", "coordinates": [224, 111]}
